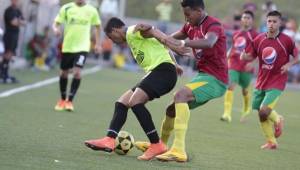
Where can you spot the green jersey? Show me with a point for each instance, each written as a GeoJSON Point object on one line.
{"type": "Point", "coordinates": [77, 22]}
{"type": "Point", "coordinates": [148, 52]}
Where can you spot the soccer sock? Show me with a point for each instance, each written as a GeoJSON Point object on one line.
{"type": "Point", "coordinates": [145, 120]}
{"type": "Point", "coordinates": [267, 128]}
{"type": "Point", "coordinates": [180, 125]}
{"type": "Point", "coordinates": [63, 82]}
{"type": "Point", "coordinates": [4, 68]}
{"type": "Point", "coordinates": [118, 120]}
{"type": "Point", "coordinates": [274, 117]}
{"type": "Point", "coordinates": [228, 101]}
{"type": "Point", "coordinates": [74, 87]}
{"type": "Point", "coordinates": [246, 104]}
{"type": "Point", "coordinates": [166, 128]}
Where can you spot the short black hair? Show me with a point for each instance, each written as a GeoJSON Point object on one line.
{"type": "Point", "coordinates": [193, 4]}
{"type": "Point", "coordinates": [249, 13]}
{"type": "Point", "coordinates": [113, 22]}
{"type": "Point", "coordinates": [275, 13]}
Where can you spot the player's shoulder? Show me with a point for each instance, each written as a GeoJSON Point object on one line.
{"type": "Point", "coordinates": [260, 37]}
{"type": "Point", "coordinates": [210, 20]}
{"type": "Point", "coordinates": [90, 7]}
{"type": "Point", "coordinates": [285, 37]}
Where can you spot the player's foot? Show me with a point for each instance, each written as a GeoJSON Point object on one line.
{"type": "Point", "coordinates": [9, 80]}
{"type": "Point", "coordinates": [244, 116]}
{"type": "Point", "coordinates": [269, 145]}
{"type": "Point", "coordinates": [278, 127]}
{"type": "Point", "coordinates": [106, 144]}
{"type": "Point", "coordinates": [226, 118]}
{"type": "Point", "coordinates": [173, 155]}
{"type": "Point", "coordinates": [153, 150]}
{"type": "Point", "coordinates": [69, 106]}
{"type": "Point", "coordinates": [142, 146]}
{"type": "Point", "coordinates": [60, 105]}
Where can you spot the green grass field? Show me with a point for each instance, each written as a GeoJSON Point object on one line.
{"type": "Point", "coordinates": [35, 137]}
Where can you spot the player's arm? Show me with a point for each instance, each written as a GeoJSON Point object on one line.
{"type": "Point", "coordinates": [208, 41]}
{"type": "Point", "coordinates": [97, 38]}
{"type": "Point", "coordinates": [179, 69]}
{"type": "Point", "coordinates": [179, 35]}
{"type": "Point", "coordinates": [294, 60]}
{"type": "Point", "coordinates": [57, 29]}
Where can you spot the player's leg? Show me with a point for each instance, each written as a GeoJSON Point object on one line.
{"type": "Point", "coordinates": [107, 143]}
{"type": "Point", "coordinates": [65, 65]}
{"type": "Point", "coordinates": [78, 63]}
{"type": "Point", "coordinates": [271, 119]}
{"type": "Point", "coordinates": [245, 82]}
{"type": "Point", "coordinates": [228, 98]}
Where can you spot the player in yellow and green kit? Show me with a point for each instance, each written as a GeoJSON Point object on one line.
{"type": "Point", "coordinates": [160, 79]}
{"type": "Point", "coordinates": [77, 17]}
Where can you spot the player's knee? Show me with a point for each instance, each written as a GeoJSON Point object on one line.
{"type": "Point", "coordinates": [263, 114]}
{"type": "Point", "coordinates": [245, 92]}
{"type": "Point", "coordinates": [64, 73]}
{"type": "Point", "coordinates": [133, 102]}
{"type": "Point", "coordinates": [181, 96]}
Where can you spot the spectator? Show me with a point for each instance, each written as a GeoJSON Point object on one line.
{"type": "Point", "coordinates": [13, 19]}
{"type": "Point", "coordinates": [1, 43]}
{"type": "Point", "coordinates": [164, 10]}
{"type": "Point", "coordinates": [108, 9]}
{"type": "Point", "coordinates": [107, 46]}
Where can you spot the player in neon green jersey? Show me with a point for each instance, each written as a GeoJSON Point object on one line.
{"type": "Point", "coordinates": [78, 17]}
{"type": "Point", "coordinates": [161, 77]}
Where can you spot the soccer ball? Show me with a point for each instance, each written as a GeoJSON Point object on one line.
{"type": "Point", "coordinates": [124, 143]}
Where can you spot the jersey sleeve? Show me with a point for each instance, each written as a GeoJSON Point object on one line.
{"type": "Point", "coordinates": [8, 16]}
{"type": "Point", "coordinates": [95, 18]}
{"type": "Point", "coordinates": [131, 36]}
{"type": "Point", "coordinates": [184, 29]}
{"type": "Point", "coordinates": [294, 51]}
{"type": "Point", "coordinates": [61, 16]}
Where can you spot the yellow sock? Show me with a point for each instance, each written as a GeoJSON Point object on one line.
{"type": "Point", "coordinates": [267, 128]}
{"type": "Point", "coordinates": [246, 104]}
{"type": "Point", "coordinates": [228, 101]}
{"type": "Point", "coordinates": [180, 126]}
{"type": "Point", "coordinates": [274, 117]}
{"type": "Point", "coordinates": [166, 128]}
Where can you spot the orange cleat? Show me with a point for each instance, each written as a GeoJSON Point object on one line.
{"type": "Point", "coordinates": [60, 105]}
{"type": "Point", "coordinates": [153, 150]}
{"type": "Point", "coordinates": [269, 145]}
{"type": "Point", "coordinates": [278, 127]}
{"type": "Point", "coordinates": [106, 144]}
{"type": "Point", "coordinates": [69, 106]}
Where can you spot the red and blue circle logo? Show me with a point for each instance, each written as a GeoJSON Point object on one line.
{"type": "Point", "coordinates": [269, 55]}
{"type": "Point", "coordinates": [240, 43]}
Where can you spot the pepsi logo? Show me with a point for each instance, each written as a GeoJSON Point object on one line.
{"type": "Point", "coordinates": [269, 55]}
{"type": "Point", "coordinates": [240, 44]}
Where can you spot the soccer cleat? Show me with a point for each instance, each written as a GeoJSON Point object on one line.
{"type": "Point", "coordinates": [278, 127]}
{"type": "Point", "coordinates": [106, 144]}
{"type": "Point", "coordinates": [226, 118]}
{"type": "Point", "coordinates": [69, 106]}
{"type": "Point", "coordinates": [153, 150]}
{"type": "Point", "coordinates": [173, 155]}
{"type": "Point", "coordinates": [60, 105]}
{"type": "Point", "coordinates": [269, 145]}
{"type": "Point", "coordinates": [142, 146]}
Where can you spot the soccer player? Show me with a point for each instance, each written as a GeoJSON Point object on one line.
{"type": "Point", "coordinates": [13, 19]}
{"type": "Point", "coordinates": [160, 79]}
{"type": "Point", "coordinates": [240, 71]}
{"type": "Point", "coordinates": [77, 18]}
{"type": "Point", "coordinates": [273, 50]}
{"type": "Point", "coordinates": [207, 39]}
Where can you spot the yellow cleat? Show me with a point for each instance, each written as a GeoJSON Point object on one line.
{"type": "Point", "coordinates": [69, 106]}
{"type": "Point", "coordinates": [60, 105]}
{"type": "Point", "coordinates": [226, 118]}
{"type": "Point", "coordinates": [141, 145]}
{"type": "Point", "coordinates": [173, 155]}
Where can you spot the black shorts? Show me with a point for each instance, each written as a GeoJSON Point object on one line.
{"type": "Point", "coordinates": [160, 81]}
{"type": "Point", "coordinates": [70, 60]}
{"type": "Point", "coordinates": [10, 41]}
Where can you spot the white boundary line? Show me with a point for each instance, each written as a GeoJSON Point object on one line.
{"type": "Point", "coordinates": [43, 83]}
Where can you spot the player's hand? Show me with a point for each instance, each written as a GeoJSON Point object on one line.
{"type": "Point", "coordinates": [179, 69]}
{"type": "Point", "coordinates": [249, 66]}
{"type": "Point", "coordinates": [57, 32]}
{"type": "Point", "coordinates": [98, 49]}
{"type": "Point", "coordinates": [177, 46]}
{"type": "Point", "coordinates": [142, 27]}
{"type": "Point", "coordinates": [15, 22]}
{"type": "Point", "coordinates": [285, 68]}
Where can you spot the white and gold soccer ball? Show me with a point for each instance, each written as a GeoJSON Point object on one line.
{"type": "Point", "coordinates": [124, 143]}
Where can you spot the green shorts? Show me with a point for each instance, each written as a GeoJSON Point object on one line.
{"type": "Point", "coordinates": [241, 78]}
{"type": "Point", "coordinates": [265, 98]}
{"type": "Point", "coordinates": [205, 87]}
